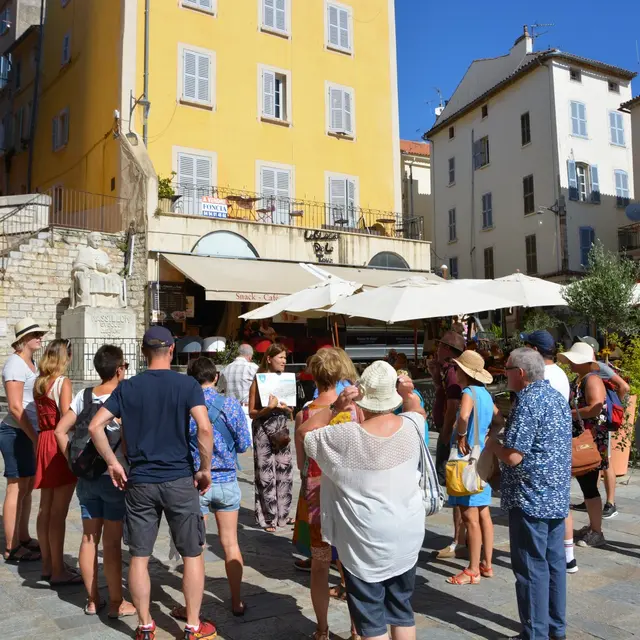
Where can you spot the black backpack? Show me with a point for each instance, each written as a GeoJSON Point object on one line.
{"type": "Point", "coordinates": [84, 460]}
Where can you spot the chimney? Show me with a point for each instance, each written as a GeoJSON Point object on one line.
{"type": "Point", "coordinates": [523, 45]}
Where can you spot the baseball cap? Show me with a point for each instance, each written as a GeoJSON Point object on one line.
{"type": "Point", "coordinates": [542, 340]}
{"type": "Point", "coordinates": [592, 342]}
{"type": "Point", "coordinates": [157, 337]}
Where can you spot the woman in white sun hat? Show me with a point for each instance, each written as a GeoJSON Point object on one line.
{"type": "Point", "coordinates": [372, 509]}
{"type": "Point", "coordinates": [589, 411]}
{"type": "Point", "coordinates": [18, 440]}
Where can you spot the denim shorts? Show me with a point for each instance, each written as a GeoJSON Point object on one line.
{"type": "Point", "coordinates": [222, 496]}
{"type": "Point", "coordinates": [100, 499]}
{"type": "Point", "coordinates": [374, 605]}
{"type": "Point", "coordinates": [17, 451]}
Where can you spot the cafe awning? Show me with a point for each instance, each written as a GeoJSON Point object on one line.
{"type": "Point", "coordinates": [261, 281]}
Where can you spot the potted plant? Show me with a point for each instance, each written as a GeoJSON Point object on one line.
{"type": "Point", "coordinates": [166, 193]}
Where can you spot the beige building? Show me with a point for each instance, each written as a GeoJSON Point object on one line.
{"type": "Point", "coordinates": [629, 234]}
{"type": "Point", "coordinates": [417, 203]}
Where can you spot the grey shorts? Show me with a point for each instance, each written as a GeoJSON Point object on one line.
{"type": "Point", "coordinates": [179, 500]}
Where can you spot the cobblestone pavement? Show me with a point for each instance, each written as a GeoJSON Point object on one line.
{"type": "Point", "coordinates": [604, 597]}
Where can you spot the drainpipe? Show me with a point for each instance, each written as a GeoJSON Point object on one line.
{"type": "Point", "coordinates": [472, 240]}
{"type": "Point", "coordinates": [146, 104]}
{"type": "Point", "coordinates": [34, 102]}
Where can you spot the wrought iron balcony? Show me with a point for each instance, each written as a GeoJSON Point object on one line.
{"type": "Point", "coordinates": [219, 202]}
{"type": "Point", "coordinates": [629, 238]}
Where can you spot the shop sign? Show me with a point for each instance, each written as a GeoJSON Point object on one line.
{"type": "Point", "coordinates": [321, 247]}
{"type": "Point", "coordinates": [246, 296]}
{"type": "Point", "coordinates": [211, 207]}
{"type": "Point", "coordinates": [190, 306]}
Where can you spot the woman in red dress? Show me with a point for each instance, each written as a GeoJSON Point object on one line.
{"type": "Point", "coordinates": [52, 394]}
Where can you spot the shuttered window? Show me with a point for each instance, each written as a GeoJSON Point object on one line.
{"type": "Point", "coordinates": [616, 128]}
{"type": "Point", "coordinates": [275, 95]}
{"type": "Point", "coordinates": [342, 202]}
{"type": "Point", "coordinates": [587, 239]}
{"type": "Point", "coordinates": [579, 119]}
{"type": "Point", "coordinates": [60, 130]}
{"type": "Point", "coordinates": [487, 211]}
{"type": "Point", "coordinates": [66, 49]}
{"type": "Point", "coordinates": [196, 77]}
{"type": "Point", "coordinates": [193, 181]}
{"type": "Point", "coordinates": [339, 27]}
{"type": "Point", "coordinates": [489, 272]}
{"type": "Point", "coordinates": [452, 170]}
{"type": "Point", "coordinates": [453, 232]}
{"type": "Point", "coordinates": [622, 188]}
{"type": "Point", "coordinates": [528, 195]}
{"type": "Point", "coordinates": [341, 116]}
{"type": "Point", "coordinates": [274, 15]}
{"type": "Point", "coordinates": [203, 5]}
{"type": "Point", "coordinates": [531, 251]}
{"type": "Point", "coordinates": [275, 188]}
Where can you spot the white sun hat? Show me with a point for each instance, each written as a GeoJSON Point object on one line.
{"type": "Point", "coordinates": [25, 327]}
{"type": "Point", "coordinates": [378, 387]}
{"type": "Point", "coordinates": [580, 353]}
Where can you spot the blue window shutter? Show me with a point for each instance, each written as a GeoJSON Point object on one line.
{"type": "Point", "coordinates": [587, 238]}
{"type": "Point", "coordinates": [595, 185]}
{"type": "Point", "coordinates": [573, 180]}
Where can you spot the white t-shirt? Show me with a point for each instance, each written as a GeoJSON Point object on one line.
{"type": "Point", "coordinates": [370, 500]}
{"type": "Point", "coordinates": [77, 406]}
{"type": "Point", "coordinates": [16, 369]}
{"type": "Point", "coordinates": [557, 379]}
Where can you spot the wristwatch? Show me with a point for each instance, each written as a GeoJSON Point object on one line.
{"type": "Point", "coordinates": [332, 408]}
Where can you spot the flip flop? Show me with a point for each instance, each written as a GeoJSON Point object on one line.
{"type": "Point", "coordinates": [119, 615]}
{"type": "Point", "coordinates": [27, 556]}
{"type": "Point", "coordinates": [32, 544]}
{"type": "Point", "coordinates": [241, 612]}
{"type": "Point", "coordinates": [339, 592]}
{"type": "Point", "coordinates": [99, 607]}
{"type": "Point", "coordinates": [75, 578]}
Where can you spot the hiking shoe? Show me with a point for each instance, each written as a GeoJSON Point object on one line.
{"type": "Point", "coordinates": [609, 511]}
{"type": "Point", "coordinates": [146, 633]}
{"type": "Point", "coordinates": [592, 539]}
{"type": "Point", "coordinates": [579, 507]}
{"type": "Point", "coordinates": [580, 533]}
{"type": "Point", "coordinates": [572, 567]}
{"type": "Point", "coordinates": [206, 631]}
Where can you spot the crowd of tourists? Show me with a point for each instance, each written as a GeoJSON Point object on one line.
{"type": "Point", "coordinates": [165, 443]}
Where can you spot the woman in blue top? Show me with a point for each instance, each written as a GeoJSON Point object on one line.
{"type": "Point", "coordinates": [472, 377]}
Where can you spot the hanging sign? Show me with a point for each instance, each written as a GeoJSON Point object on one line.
{"type": "Point", "coordinates": [211, 207]}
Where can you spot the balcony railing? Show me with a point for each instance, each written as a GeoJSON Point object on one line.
{"type": "Point", "coordinates": [629, 238]}
{"type": "Point", "coordinates": [219, 202]}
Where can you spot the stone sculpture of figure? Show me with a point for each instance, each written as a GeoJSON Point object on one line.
{"type": "Point", "coordinates": [94, 283]}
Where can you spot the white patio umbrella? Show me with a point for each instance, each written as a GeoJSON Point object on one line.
{"type": "Point", "coordinates": [416, 298]}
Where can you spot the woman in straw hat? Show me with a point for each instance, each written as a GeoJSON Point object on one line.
{"type": "Point", "coordinates": [18, 439]}
{"type": "Point", "coordinates": [589, 411]}
{"type": "Point", "coordinates": [372, 509]}
{"type": "Point", "coordinates": [476, 404]}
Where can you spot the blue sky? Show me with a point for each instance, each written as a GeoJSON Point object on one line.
{"type": "Point", "coordinates": [437, 40]}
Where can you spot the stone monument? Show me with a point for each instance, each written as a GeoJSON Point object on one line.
{"type": "Point", "coordinates": [98, 312]}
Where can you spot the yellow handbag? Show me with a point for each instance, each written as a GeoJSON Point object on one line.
{"type": "Point", "coordinates": [462, 473]}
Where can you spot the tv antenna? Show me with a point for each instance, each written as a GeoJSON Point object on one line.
{"type": "Point", "coordinates": [535, 29]}
{"type": "Point", "coordinates": [441, 103]}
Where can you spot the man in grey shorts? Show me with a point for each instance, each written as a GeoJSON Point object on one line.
{"type": "Point", "coordinates": [154, 407]}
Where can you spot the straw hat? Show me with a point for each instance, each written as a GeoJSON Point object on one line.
{"type": "Point", "coordinates": [472, 363]}
{"type": "Point", "coordinates": [580, 353]}
{"type": "Point", "coordinates": [378, 388]}
{"type": "Point", "coordinates": [24, 327]}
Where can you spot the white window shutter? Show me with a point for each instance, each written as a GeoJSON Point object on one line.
{"type": "Point", "coordinates": [337, 192]}
{"type": "Point", "coordinates": [582, 114]}
{"type": "Point", "coordinates": [573, 180]}
{"type": "Point", "coordinates": [343, 16]}
{"type": "Point", "coordinates": [334, 26]}
{"type": "Point", "coordinates": [348, 112]}
{"type": "Point", "coordinates": [283, 184]}
{"type": "Point", "coordinates": [351, 202]}
{"type": "Point", "coordinates": [268, 182]}
{"type": "Point", "coordinates": [203, 173]}
{"type": "Point", "coordinates": [206, 4]}
{"type": "Point", "coordinates": [269, 93]}
{"type": "Point", "coordinates": [337, 109]}
{"type": "Point", "coordinates": [204, 78]}
{"type": "Point", "coordinates": [595, 184]}
{"type": "Point", "coordinates": [189, 75]}
{"type": "Point", "coordinates": [281, 15]}
{"type": "Point", "coordinates": [269, 13]}
{"type": "Point", "coordinates": [65, 127]}
{"type": "Point", "coordinates": [186, 171]}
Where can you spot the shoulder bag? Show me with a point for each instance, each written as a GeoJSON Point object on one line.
{"type": "Point", "coordinates": [585, 456]}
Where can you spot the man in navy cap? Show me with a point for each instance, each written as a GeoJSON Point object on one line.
{"type": "Point", "coordinates": [543, 342]}
{"type": "Point", "coordinates": [154, 407]}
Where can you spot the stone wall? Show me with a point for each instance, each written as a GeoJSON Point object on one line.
{"type": "Point", "coordinates": [37, 278]}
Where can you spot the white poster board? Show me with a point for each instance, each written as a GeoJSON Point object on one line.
{"type": "Point", "coordinates": [280, 385]}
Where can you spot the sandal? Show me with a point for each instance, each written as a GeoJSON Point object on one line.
{"type": "Point", "coordinates": [320, 635]}
{"type": "Point", "coordinates": [303, 565]}
{"type": "Point", "coordinates": [32, 544]}
{"type": "Point", "coordinates": [73, 579]}
{"type": "Point", "coordinates": [13, 556]}
{"type": "Point", "coordinates": [484, 571]}
{"type": "Point", "coordinates": [240, 612]}
{"type": "Point", "coordinates": [179, 612]}
{"type": "Point", "coordinates": [98, 607]}
{"type": "Point", "coordinates": [291, 522]}
{"type": "Point", "coordinates": [117, 612]}
{"type": "Point", "coordinates": [464, 577]}
{"type": "Point", "coordinates": [339, 592]}
{"type": "Point", "coordinates": [270, 529]}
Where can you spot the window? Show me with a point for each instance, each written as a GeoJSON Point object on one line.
{"type": "Point", "coordinates": [525, 128]}
{"type": "Point", "coordinates": [275, 16]}
{"type": "Point", "coordinates": [582, 174]}
{"type": "Point", "coordinates": [579, 119]}
{"type": "Point", "coordinates": [528, 195]}
{"type": "Point", "coordinates": [342, 198]}
{"type": "Point", "coordinates": [276, 102]}
{"type": "Point", "coordinates": [18, 125]}
{"type": "Point", "coordinates": [488, 263]}
{"type": "Point", "coordinates": [5, 67]}
{"type": "Point", "coordinates": [622, 188]}
{"type": "Point", "coordinates": [66, 49]}
{"type": "Point", "coordinates": [575, 75]}
{"type": "Point", "coordinates": [341, 111]}
{"type": "Point", "coordinates": [485, 111]}
{"type": "Point", "coordinates": [452, 133]}
{"type": "Point", "coordinates": [532, 254]}
{"type": "Point", "coordinates": [616, 128]}
{"type": "Point", "coordinates": [339, 27]}
{"type": "Point", "coordinates": [587, 239]}
{"type": "Point", "coordinates": [193, 180]}
{"type": "Point", "coordinates": [225, 244]}
{"type": "Point", "coordinates": [196, 77]}
{"type": "Point", "coordinates": [17, 68]}
{"type": "Point", "coordinates": [6, 131]}
{"type": "Point", "coordinates": [453, 233]}
{"type": "Point", "coordinates": [452, 170]}
{"type": "Point", "coordinates": [60, 130]}
{"type": "Point", "coordinates": [584, 183]}
{"type": "Point", "coordinates": [481, 152]}
{"type": "Point", "coordinates": [614, 87]}
{"type": "Point", "coordinates": [388, 260]}
{"type": "Point", "coordinates": [5, 21]}
{"type": "Point", "coordinates": [453, 267]}
{"type": "Point", "coordinates": [275, 188]}
{"type": "Point", "coordinates": [207, 6]}
{"type": "Point", "coordinates": [487, 211]}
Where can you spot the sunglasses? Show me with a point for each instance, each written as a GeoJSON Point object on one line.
{"type": "Point", "coordinates": [511, 368]}
{"type": "Point", "coordinates": [124, 365]}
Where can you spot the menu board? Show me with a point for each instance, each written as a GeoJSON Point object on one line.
{"type": "Point", "coordinates": [172, 302]}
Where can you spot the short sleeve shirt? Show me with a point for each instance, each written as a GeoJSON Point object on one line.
{"type": "Point", "coordinates": [154, 407]}
{"type": "Point", "coordinates": [605, 371]}
{"type": "Point", "coordinates": [539, 427]}
{"type": "Point", "coordinates": [447, 388]}
{"type": "Point", "coordinates": [16, 369]}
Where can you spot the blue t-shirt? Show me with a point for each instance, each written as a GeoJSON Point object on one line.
{"type": "Point", "coordinates": [154, 407]}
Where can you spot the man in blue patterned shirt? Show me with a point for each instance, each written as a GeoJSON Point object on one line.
{"type": "Point", "coordinates": [536, 479]}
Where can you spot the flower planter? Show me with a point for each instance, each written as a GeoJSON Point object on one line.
{"type": "Point", "coordinates": [621, 440]}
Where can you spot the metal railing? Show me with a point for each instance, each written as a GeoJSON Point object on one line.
{"type": "Point", "coordinates": [629, 238]}
{"type": "Point", "coordinates": [221, 202]}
